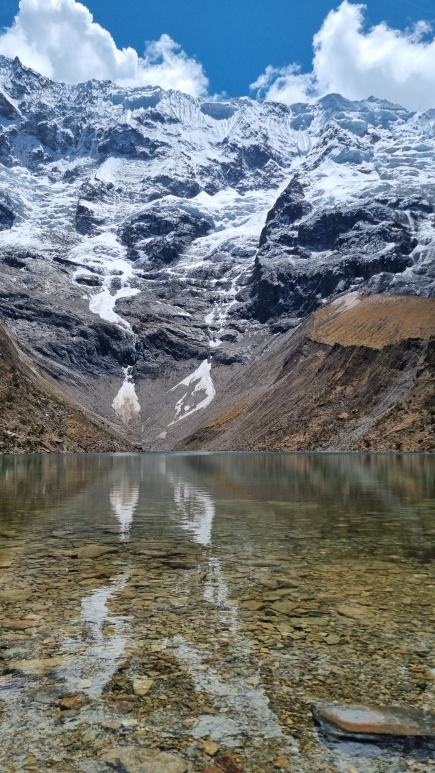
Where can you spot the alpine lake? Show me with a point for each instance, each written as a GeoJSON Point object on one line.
{"type": "Point", "coordinates": [171, 613]}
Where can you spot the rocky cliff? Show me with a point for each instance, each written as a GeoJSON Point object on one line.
{"type": "Point", "coordinates": [154, 247]}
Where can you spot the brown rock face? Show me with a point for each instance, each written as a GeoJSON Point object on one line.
{"type": "Point", "coordinates": [53, 421]}
{"type": "Point", "coordinates": [374, 720]}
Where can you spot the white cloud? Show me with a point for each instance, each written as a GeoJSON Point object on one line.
{"type": "Point", "coordinates": [286, 84]}
{"type": "Point", "coordinates": [357, 63]}
{"type": "Point", "coordinates": [59, 39]}
{"type": "Point", "coordinates": [165, 65]}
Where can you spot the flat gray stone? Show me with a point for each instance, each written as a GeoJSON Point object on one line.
{"type": "Point", "coordinates": [13, 595]}
{"type": "Point", "coordinates": [131, 759]}
{"type": "Point", "coordinates": [285, 607]}
{"type": "Point", "coordinates": [358, 720]}
{"type": "Point", "coordinates": [94, 551]}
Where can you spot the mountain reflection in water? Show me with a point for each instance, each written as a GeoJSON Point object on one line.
{"type": "Point", "coordinates": [216, 596]}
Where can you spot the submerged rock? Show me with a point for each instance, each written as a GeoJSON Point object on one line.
{"type": "Point", "coordinates": [94, 551]}
{"type": "Point", "coordinates": [6, 560]}
{"type": "Point", "coordinates": [229, 764]}
{"type": "Point", "coordinates": [12, 595]}
{"type": "Point", "coordinates": [210, 747]}
{"type": "Point", "coordinates": [76, 701]}
{"type": "Point", "coordinates": [17, 625]}
{"type": "Point", "coordinates": [136, 760]}
{"type": "Point", "coordinates": [354, 613]}
{"type": "Point", "coordinates": [344, 720]}
{"type": "Point", "coordinates": [141, 685]}
{"type": "Point", "coordinates": [7, 683]}
{"type": "Point", "coordinates": [37, 666]}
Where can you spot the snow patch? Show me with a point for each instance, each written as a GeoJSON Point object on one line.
{"type": "Point", "coordinates": [103, 303]}
{"type": "Point", "coordinates": [106, 256]}
{"type": "Point", "coordinates": [346, 302]}
{"type": "Point", "coordinates": [204, 383]}
{"type": "Point", "coordinates": [126, 403]}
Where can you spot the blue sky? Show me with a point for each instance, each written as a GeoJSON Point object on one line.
{"type": "Point", "coordinates": [237, 39]}
{"type": "Point", "coordinates": [233, 42]}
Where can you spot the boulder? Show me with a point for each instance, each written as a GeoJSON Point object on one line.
{"type": "Point", "coordinates": [357, 720]}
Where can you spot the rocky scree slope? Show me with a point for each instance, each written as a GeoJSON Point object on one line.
{"type": "Point", "coordinates": [34, 415]}
{"type": "Point", "coordinates": [358, 375]}
{"type": "Point", "coordinates": [153, 245]}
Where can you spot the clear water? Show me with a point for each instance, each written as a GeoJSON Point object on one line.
{"type": "Point", "coordinates": [160, 601]}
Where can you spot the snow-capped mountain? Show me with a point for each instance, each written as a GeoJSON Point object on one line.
{"type": "Point", "coordinates": [151, 243]}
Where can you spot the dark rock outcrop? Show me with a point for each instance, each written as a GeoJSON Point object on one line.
{"type": "Point", "coordinates": [86, 222]}
{"type": "Point", "coordinates": [127, 141]}
{"type": "Point", "coordinates": [7, 109]}
{"type": "Point", "coordinates": [307, 256]}
{"type": "Point", "coordinates": [161, 234]}
{"type": "Point", "coordinates": [7, 217]}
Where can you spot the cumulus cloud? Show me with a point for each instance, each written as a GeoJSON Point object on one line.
{"type": "Point", "coordinates": [357, 63]}
{"type": "Point", "coordinates": [60, 39]}
{"type": "Point", "coordinates": [286, 84]}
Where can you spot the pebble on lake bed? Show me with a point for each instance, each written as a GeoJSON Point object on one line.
{"type": "Point", "coordinates": [14, 595]}
{"type": "Point", "coordinates": [94, 551]}
{"type": "Point", "coordinates": [76, 701]}
{"type": "Point", "coordinates": [332, 639]}
{"type": "Point", "coordinates": [37, 666]}
{"type": "Point", "coordinates": [210, 747]}
{"type": "Point", "coordinates": [6, 559]}
{"type": "Point", "coordinates": [229, 764]}
{"type": "Point", "coordinates": [354, 613]}
{"type": "Point", "coordinates": [142, 685]}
